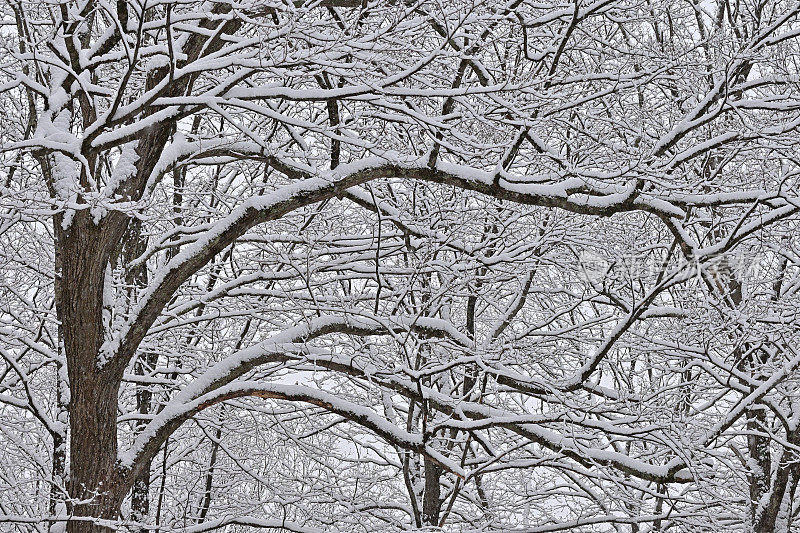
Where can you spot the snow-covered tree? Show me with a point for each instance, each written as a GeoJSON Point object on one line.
{"type": "Point", "coordinates": [345, 265]}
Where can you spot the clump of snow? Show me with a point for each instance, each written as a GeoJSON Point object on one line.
{"type": "Point", "coordinates": [124, 169]}
{"type": "Point", "coordinates": [61, 514]}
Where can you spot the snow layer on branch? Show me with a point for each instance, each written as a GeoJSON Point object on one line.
{"type": "Point", "coordinates": [124, 169]}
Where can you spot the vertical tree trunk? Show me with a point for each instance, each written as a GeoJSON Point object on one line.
{"type": "Point", "coordinates": [93, 484]}
{"type": "Point", "coordinates": [759, 476]}
{"type": "Point", "coordinates": [205, 501]}
{"type": "Point", "coordinates": [140, 492]}
{"type": "Point", "coordinates": [431, 501]}
{"type": "Point", "coordinates": [58, 466]}
{"type": "Point", "coordinates": [132, 246]}
{"type": "Point", "coordinates": [94, 487]}
{"type": "Point", "coordinates": [59, 462]}
{"type": "Point", "coordinates": [779, 493]}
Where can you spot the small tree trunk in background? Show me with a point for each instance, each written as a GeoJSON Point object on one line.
{"type": "Point", "coordinates": [140, 492]}
{"type": "Point", "coordinates": [205, 502]}
{"type": "Point", "coordinates": [431, 501]}
{"type": "Point", "coordinates": [59, 462]}
{"type": "Point", "coordinates": [133, 245]}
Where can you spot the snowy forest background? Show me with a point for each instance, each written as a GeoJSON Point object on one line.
{"type": "Point", "coordinates": [362, 266]}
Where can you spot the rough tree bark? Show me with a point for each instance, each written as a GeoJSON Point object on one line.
{"type": "Point", "coordinates": [94, 485]}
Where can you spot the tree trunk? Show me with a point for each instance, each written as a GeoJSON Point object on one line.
{"type": "Point", "coordinates": [132, 246]}
{"type": "Point", "coordinates": [431, 501]}
{"type": "Point", "coordinates": [94, 486]}
{"type": "Point", "coordinates": [205, 501]}
{"type": "Point", "coordinates": [59, 462]}
{"type": "Point", "coordinates": [140, 492]}
{"type": "Point", "coordinates": [778, 500]}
